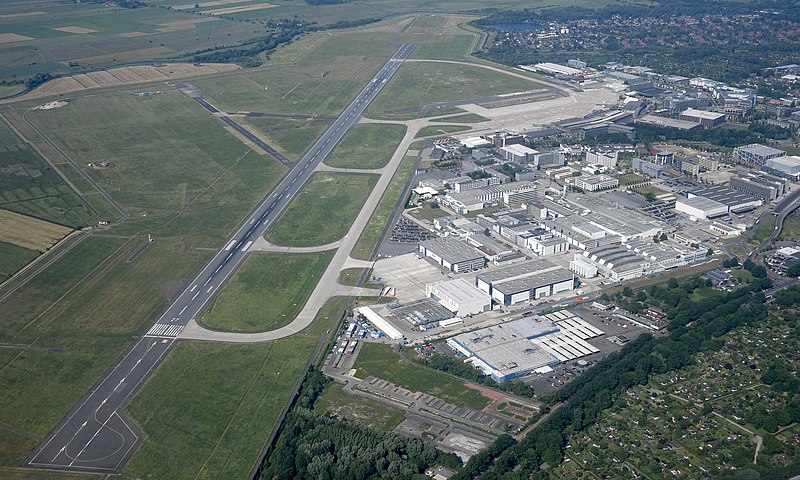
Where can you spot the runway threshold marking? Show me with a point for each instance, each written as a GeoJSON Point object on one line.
{"type": "Point", "coordinates": [164, 330]}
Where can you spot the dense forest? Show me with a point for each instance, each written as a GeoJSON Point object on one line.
{"type": "Point", "coordinates": [315, 445]}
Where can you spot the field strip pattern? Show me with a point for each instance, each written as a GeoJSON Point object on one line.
{"type": "Point", "coordinates": [164, 330]}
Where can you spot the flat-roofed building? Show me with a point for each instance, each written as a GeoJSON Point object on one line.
{"type": "Point", "coordinates": [594, 183]}
{"type": "Point", "coordinates": [669, 123]}
{"type": "Point", "coordinates": [736, 201]}
{"type": "Point", "coordinates": [650, 169]}
{"type": "Point", "coordinates": [460, 297]}
{"type": "Point", "coordinates": [523, 282]}
{"type": "Point", "coordinates": [701, 207]}
{"type": "Point", "coordinates": [532, 344]}
{"type": "Point", "coordinates": [606, 159]}
{"type": "Point", "coordinates": [765, 187]}
{"type": "Point", "coordinates": [788, 166]}
{"type": "Point", "coordinates": [518, 153]}
{"type": "Point", "coordinates": [756, 153]}
{"type": "Point", "coordinates": [548, 245]}
{"type": "Point", "coordinates": [463, 202]}
{"type": "Point", "coordinates": [453, 254]}
{"type": "Point", "coordinates": [704, 118]}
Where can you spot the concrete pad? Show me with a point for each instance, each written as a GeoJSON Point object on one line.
{"type": "Point", "coordinates": [75, 30]}
{"type": "Point", "coordinates": [13, 37]}
{"type": "Point", "coordinates": [408, 274]}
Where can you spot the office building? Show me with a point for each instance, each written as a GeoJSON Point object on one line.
{"type": "Point", "coordinates": [756, 153]}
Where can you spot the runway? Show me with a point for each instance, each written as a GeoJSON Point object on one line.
{"type": "Point", "coordinates": [95, 436]}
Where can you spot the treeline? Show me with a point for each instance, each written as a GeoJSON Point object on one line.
{"type": "Point", "coordinates": [326, 2]}
{"type": "Point", "coordinates": [315, 445]}
{"type": "Point", "coordinates": [584, 399]}
{"type": "Point", "coordinates": [723, 137]}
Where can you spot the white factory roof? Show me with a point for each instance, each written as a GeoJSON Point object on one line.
{"type": "Point", "coordinates": [460, 291]}
{"type": "Point", "coordinates": [691, 112]}
{"type": "Point", "coordinates": [703, 203]}
{"type": "Point", "coordinates": [519, 149]}
{"type": "Point", "coordinates": [786, 164]}
{"type": "Point", "coordinates": [475, 142]}
{"type": "Point", "coordinates": [556, 68]}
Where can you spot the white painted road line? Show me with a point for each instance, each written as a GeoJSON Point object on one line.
{"type": "Point", "coordinates": [230, 245]}
{"type": "Point", "coordinates": [210, 288]}
{"type": "Point", "coordinates": [244, 249]}
{"type": "Point", "coordinates": [193, 288]}
{"type": "Point", "coordinates": [195, 295]}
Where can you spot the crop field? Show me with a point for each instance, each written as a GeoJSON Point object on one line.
{"type": "Point", "coordinates": [323, 210]}
{"type": "Point", "coordinates": [381, 361]}
{"type": "Point", "coordinates": [437, 130]}
{"type": "Point", "coordinates": [368, 145]}
{"type": "Point", "coordinates": [341, 404]}
{"type": "Point", "coordinates": [212, 406]}
{"type": "Point", "coordinates": [28, 185]}
{"type": "Point", "coordinates": [423, 83]}
{"type": "Point", "coordinates": [292, 137]}
{"type": "Point", "coordinates": [380, 217]}
{"type": "Point", "coordinates": [29, 232]}
{"type": "Point", "coordinates": [267, 292]}
{"type": "Point", "coordinates": [47, 36]}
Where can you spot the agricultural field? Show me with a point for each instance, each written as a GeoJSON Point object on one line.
{"type": "Point", "coordinates": [291, 137]}
{"type": "Point", "coordinates": [423, 83]}
{"type": "Point", "coordinates": [99, 296]}
{"type": "Point", "coordinates": [30, 186]}
{"type": "Point", "coordinates": [340, 404]}
{"type": "Point", "coordinates": [437, 130]}
{"type": "Point", "coordinates": [366, 244]}
{"type": "Point", "coordinates": [12, 258]}
{"type": "Point", "coordinates": [381, 361]}
{"type": "Point", "coordinates": [368, 146]}
{"type": "Point", "coordinates": [212, 406]}
{"type": "Point", "coordinates": [267, 292]}
{"type": "Point", "coordinates": [57, 38]}
{"type": "Point", "coordinates": [29, 232]}
{"type": "Point", "coordinates": [323, 211]}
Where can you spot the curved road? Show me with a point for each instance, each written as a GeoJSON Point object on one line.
{"type": "Point", "coordinates": [96, 436]}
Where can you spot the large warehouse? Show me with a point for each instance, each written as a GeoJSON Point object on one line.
{"type": "Point", "coordinates": [460, 297]}
{"type": "Point", "coordinates": [757, 153]}
{"type": "Point", "coordinates": [532, 344]}
{"type": "Point", "coordinates": [736, 201]}
{"type": "Point", "coordinates": [701, 207]}
{"type": "Point", "coordinates": [453, 254]}
{"type": "Point", "coordinates": [523, 282]}
{"type": "Point", "coordinates": [788, 166]}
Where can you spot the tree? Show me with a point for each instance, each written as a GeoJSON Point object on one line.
{"type": "Point", "coordinates": [663, 237]}
{"type": "Point", "coordinates": [710, 252]}
{"type": "Point", "coordinates": [650, 197]}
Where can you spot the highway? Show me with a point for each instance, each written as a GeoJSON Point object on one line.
{"type": "Point", "coordinates": [96, 436]}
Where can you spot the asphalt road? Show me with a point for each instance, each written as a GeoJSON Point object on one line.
{"type": "Point", "coordinates": [95, 436]}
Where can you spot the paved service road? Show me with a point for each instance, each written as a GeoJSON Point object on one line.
{"type": "Point", "coordinates": [96, 436]}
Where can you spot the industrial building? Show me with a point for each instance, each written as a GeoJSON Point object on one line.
{"type": "Point", "coordinates": [504, 139]}
{"type": "Point", "coordinates": [523, 282]}
{"type": "Point", "coordinates": [736, 201]}
{"type": "Point", "coordinates": [582, 267]}
{"type": "Point", "coordinates": [380, 323]}
{"type": "Point", "coordinates": [528, 345]}
{"type": "Point", "coordinates": [547, 245]}
{"type": "Point", "coordinates": [459, 296]}
{"type": "Point", "coordinates": [518, 153]}
{"type": "Point", "coordinates": [787, 166]}
{"type": "Point", "coordinates": [704, 118]}
{"type": "Point", "coordinates": [669, 123]}
{"type": "Point", "coordinates": [701, 207]}
{"type": "Point", "coordinates": [765, 187]}
{"type": "Point", "coordinates": [650, 169]}
{"type": "Point", "coordinates": [606, 159]}
{"type": "Point", "coordinates": [594, 183]}
{"type": "Point", "coordinates": [756, 153]}
{"type": "Point", "coordinates": [453, 254]}
{"type": "Point", "coordinates": [556, 69]}
{"type": "Point", "coordinates": [616, 262]}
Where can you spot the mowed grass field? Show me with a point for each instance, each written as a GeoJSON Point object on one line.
{"type": "Point", "coordinates": [210, 407]}
{"type": "Point", "coordinates": [188, 183]}
{"type": "Point", "coordinates": [267, 292]}
{"type": "Point", "coordinates": [289, 136]}
{"type": "Point", "coordinates": [380, 217]}
{"type": "Point", "coordinates": [29, 232]}
{"type": "Point", "coordinates": [165, 151]}
{"type": "Point", "coordinates": [13, 258]}
{"type": "Point", "coordinates": [55, 34]}
{"type": "Point", "coordinates": [422, 83]}
{"type": "Point", "coordinates": [438, 130]}
{"type": "Point", "coordinates": [368, 145]}
{"type": "Point", "coordinates": [323, 211]}
{"type": "Point", "coordinates": [381, 361]}
{"type": "Point", "coordinates": [28, 185]}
